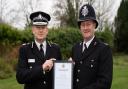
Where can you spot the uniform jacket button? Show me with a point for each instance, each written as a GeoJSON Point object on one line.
{"type": "Point", "coordinates": [44, 72]}
{"type": "Point", "coordinates": [77, 80]}
{"type": "Point", "coordinates": [44, 82]}
{"type": "Point", "coordinates": [92, 60]}
{"type": "Point", "coordinates": [30, 67]}
{"type": "Point", "coordinates": [78, 70]}
{"type": "Point", "coordinates": [91, 65]}
{"type": "Point", "coordinates": [81, 62]}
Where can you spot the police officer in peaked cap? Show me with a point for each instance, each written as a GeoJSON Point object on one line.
{"type": "Point", "coordinates": [93, 63]}
{"type": "Point", "coordinates": [35, 62]}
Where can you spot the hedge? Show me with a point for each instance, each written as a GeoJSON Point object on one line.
{"type": "Point", "coordinates": [11, 39]}
{"type": "Point", "coordinates": [65, 37]}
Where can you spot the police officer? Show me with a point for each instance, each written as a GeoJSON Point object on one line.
{"type": "Point", "coordinates": [36, 59]}
{"type": "Point", "coordinates": [92, 58]}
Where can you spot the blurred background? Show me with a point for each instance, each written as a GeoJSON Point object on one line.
{"type": "Point", "coordinates": [15, 30]}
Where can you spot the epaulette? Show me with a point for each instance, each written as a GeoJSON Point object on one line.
{"type": "Point", "coordinates": [52, 43]}
{"type": "Point", "coordinates": [81, 43]}
{"type": "Point", "coordinates": [106, 43]}
{"type": "Point", "coordinates": [25, 43]}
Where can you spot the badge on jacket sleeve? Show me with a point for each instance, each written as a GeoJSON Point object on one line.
{"type": "Point", "coordinates": [31, 60]}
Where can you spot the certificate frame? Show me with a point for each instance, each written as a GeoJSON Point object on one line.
{"type": "Point", "coordinates": [63, 75]}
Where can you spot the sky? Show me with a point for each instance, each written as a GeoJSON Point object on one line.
{"type": "Point", "coordinates": [48, 6]}
{"type": "Point", "coordinates": [115, 8]}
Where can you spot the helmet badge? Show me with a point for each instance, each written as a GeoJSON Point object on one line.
{"type": "Point", "coordinates": [84, 11]}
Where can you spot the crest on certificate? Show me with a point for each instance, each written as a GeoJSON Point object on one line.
{"type": "Point", "coordinates": [63, 65]}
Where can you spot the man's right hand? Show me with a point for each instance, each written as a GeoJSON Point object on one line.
{"type": "Point", "coordinates": [48, 64]}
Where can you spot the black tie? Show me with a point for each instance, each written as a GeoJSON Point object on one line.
{"type": "Point", "coordinates": [41, 50]}
{"type": "Point", "coordinates": [85, 47]}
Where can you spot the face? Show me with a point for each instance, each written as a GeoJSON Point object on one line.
{"type": "Point", "coordinates": [87, 29]}
{"type": "Point", "coordinates": [40, 33]}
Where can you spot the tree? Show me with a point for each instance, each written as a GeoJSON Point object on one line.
{"type": "Point", "coordinates": [67, 11]}
{"type": "Point", "coordinates": [121, 28]}
{"type": "Point", "coordinates": [25, 8]}
{"type": "Point", "coordinates": [64, 12]}
{"type": "Point", "coordinates": [71, 14]}
{"type": "Point", "coordinates": [3, 8]}
{"type": "Point", "coordinates": [7, 14]}
{"type": "Point", "coordinates": [103, 11]}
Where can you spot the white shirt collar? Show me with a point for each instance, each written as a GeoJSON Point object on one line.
{"type": "Point", "coordinates": [88, 42]}
{"type": "Point", "coordinates": [44, 45]}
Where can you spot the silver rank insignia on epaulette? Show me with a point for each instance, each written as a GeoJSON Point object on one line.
{"type": "Point", "coordinates": [25, 43]}
{"type": "Point", "coordinates": [50, 43]}
{"type": "Point", "coordinates": [80, 43]}
{"type": "Point", "coordinates": [106, 43]}
{"type": "Point", "coordinates": [32, 44]}
{"type": "Point", "coordinates": [95, 43]}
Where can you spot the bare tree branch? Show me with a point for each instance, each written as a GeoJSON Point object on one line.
{"type": "Point", "coordinates": [103, 9]}
{"type": "Point", "coordinates": [3, 8]}
{"type": "Point", "coordinates": [27, 7]}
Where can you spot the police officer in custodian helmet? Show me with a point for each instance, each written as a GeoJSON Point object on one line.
{"type": "Point", "coordinates": [92, 58]}
{"type": "Point", "coordinates": [35, 62]}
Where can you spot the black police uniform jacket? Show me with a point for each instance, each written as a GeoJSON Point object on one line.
{"type": "Point", "coordinates": [30, 72]}
{"type": "Point", "coordinates": [93, 68]}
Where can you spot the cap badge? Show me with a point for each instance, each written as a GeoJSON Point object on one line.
{"type": "Point", "coordinates": [40, 16]}
{"type": "Point", "coordinates": [84, 11]}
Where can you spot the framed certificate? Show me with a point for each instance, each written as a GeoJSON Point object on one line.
{"type": "Point", "coordinates": [63, 75]}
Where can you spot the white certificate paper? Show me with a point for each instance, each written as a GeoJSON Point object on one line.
{"type": "Point", "coordinates": [63, 75]}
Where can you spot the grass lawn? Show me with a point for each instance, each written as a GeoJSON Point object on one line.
{"type": "Point", "coordinates": [120, 76]}
{"type": "Point", "coordinates": [10, 83]}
